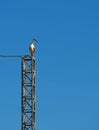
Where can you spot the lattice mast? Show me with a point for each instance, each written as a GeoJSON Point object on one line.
{"type": "Point", "coordinates": [28, 91]}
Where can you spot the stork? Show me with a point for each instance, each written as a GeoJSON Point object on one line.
{"type": "Point", "coordinates": [32, 47]}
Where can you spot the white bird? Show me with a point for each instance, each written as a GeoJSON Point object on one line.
{"type": "Point", "coordinates": [32, 47]}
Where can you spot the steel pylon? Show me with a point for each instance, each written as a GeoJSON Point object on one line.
{"type": "Point", "coordinates": [28, 93]}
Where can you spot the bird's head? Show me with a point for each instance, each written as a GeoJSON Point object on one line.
{"type": "Point", "coordinates": [34, 40]}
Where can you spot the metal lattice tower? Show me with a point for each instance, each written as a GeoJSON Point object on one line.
{"type": "Point", "coordinates": [28, 93]}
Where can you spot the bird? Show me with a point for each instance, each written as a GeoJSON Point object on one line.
{"type": "Point", "coordinates": [32, 47]}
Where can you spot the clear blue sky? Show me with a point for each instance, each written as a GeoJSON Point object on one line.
{"type": "Point", "coordinates": [67, 62]}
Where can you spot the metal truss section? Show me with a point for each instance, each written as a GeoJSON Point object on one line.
{"type": "Point", "coordinates": [28, 93]}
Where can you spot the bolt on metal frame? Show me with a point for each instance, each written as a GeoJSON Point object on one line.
{"type": "Point", "coordinates": [28, 93]}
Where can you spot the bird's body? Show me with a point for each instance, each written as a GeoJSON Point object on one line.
{"type": "Point", "coordinates": [32, 49]}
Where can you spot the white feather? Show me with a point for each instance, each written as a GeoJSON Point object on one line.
{"type": "Point", "coordinates": [32, 48]}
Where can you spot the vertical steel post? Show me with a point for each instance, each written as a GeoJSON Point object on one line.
{"type": "Point", "coordinates": [28, 93]}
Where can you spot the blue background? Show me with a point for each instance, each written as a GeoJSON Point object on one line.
{"type": "Point", "coordinates": [67, 62]}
